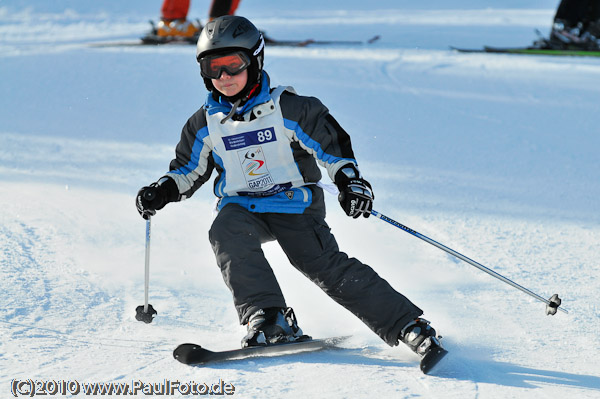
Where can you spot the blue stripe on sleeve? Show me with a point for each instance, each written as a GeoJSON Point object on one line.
{"type": "Point", "coordinates": [312, 144]}
{"type": "Point", "coordinates": [195, 155]}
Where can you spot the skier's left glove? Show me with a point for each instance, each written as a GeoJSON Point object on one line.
{"type": "Point", "coordinates": [356, 196]}
{"type": "Point", "coordinates": [155, 196]}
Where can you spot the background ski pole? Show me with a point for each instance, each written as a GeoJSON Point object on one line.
{"type": "Point", "coordinates": [146, 312]}
{"type": "Point", "coordinates": [552, 304]}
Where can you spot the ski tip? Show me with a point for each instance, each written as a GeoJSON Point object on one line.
{"type": "Point", "coordinates": [431, 360]}
{"type": "Point", "coordinates": [374, 39]}
{"type": "Point", "coordinates": [183, 351]}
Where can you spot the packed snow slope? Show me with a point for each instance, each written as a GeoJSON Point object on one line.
{"type": "Point", "coordinates": [495, 156]}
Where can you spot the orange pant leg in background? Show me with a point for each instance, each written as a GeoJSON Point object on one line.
{"type": "Point", "coordinates": [175, 9]}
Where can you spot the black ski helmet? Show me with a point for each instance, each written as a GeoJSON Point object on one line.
{"type": "Point", "coordinates": [230, 33]}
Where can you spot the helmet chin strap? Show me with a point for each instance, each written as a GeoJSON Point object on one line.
{"type": "Point", "coordinates": [234, 108]}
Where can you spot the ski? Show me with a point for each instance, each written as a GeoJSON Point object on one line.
{"type": "Point", "coordinates": [431, 359]}
{"type": "Point", "coordinates": [312, 42]}
{"type": "Point", "coordinates": [530, 51]}
{"type": "Point", "coordinates": [145, 41]}
{"type": "Point", "coordinates": [154, 40]}
{"type": "Point", "coordinates": [193, 354]}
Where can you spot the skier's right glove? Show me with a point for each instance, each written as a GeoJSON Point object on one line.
{"type": "Point", "coordinates": [155, 196]}
{"type": "Point", "coordinates": [356, 196]}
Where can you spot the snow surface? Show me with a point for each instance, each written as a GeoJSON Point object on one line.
{"type": "Point", "coordinates": [495, 156]}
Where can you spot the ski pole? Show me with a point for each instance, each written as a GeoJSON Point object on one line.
{"type": "Point", "coordinates": [147, 266]}
{"type": "Point", "coordinates": [552, 304]}
{"type": "Point", "coordinates": [146, 312]}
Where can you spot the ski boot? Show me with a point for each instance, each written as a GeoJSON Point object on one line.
{"type": "Point", "coordinates": [173, 31]}
{"type": "Point", "coordinates": [272, 326]}
{"type": "Point", "coordinates": [564, 37]}
{"type": "Point", "coordinates": [593, 29]}
{"type": "Point", "coordinates": [178, 28]}
{"type": "Point", "coordinates": [421, 338]}
{"type": "Point", "coordinates": [591, 35]}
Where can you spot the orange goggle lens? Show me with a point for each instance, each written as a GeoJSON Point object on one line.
{"type": "Point", "coordinates": [213, 66]}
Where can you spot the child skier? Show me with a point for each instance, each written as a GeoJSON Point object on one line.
{"type": "Point", "coordinates": [264, 144]}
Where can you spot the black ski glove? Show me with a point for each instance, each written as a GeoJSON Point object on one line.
{"type": "Point", "coordinates": [155, 196]}
{"type": "Point", "coordinates": [356, 196]}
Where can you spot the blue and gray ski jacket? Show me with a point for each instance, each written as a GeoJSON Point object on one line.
{"type": "Point", "coordinates": [266, 156]}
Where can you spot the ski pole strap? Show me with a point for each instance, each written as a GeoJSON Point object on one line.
{"type": "Point", "coordinates": [552, 304]}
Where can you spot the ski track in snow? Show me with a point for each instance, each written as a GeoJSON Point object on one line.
{"type": "Point", "coordinates": [494, 156]}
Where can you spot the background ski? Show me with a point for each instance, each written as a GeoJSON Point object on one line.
{"type": "Point", "coordinates": [149, 40]}
{"type": "Point", "coordinates": [541, 51]}
{"type": "Point", "coordinates": [156, 40]}
{"type": "Point", "coordinates": [530, 51]}
{"type": "Point", "coordinates": [193, 354]}
{"type": "Point", "coordinates": [308, 42]}
{"type": "Point", "coordinates": [153, 40]}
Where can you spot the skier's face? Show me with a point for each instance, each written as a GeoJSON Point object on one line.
{"type": "Point", "coordinates": [230, 85]}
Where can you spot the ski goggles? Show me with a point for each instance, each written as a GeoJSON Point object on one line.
{"type": "Point", "coordinates": [212, 66]}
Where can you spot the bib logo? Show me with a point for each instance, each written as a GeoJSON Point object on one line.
{"type": "Point", "coordinates": [255, 169]}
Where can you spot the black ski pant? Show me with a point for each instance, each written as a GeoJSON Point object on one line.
{"type": "Point", "coordinates": [574, 11]}
{"type": "Point", "coordinates": [236, 236]}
